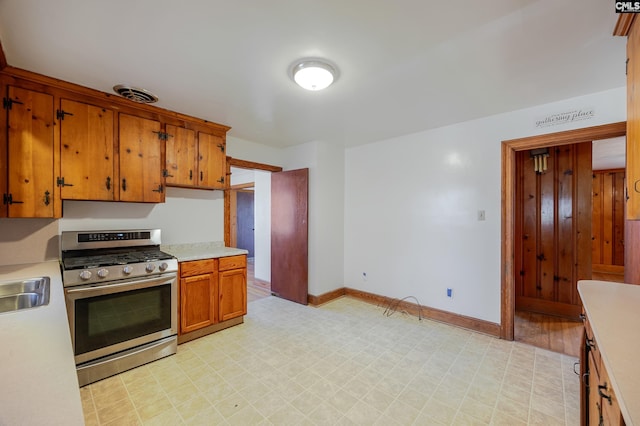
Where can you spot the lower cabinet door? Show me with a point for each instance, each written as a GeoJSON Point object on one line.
{"type": "Point", "coordinates": [197, 302]}
{"type": "Point", "coordinates": [233, 293]}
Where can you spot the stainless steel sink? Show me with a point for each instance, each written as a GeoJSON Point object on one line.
{"type": "Point", "coordinates": [24, 294]}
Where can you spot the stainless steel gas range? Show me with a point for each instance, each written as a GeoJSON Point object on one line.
{"type": "Point", "coordinates": [121, 293]}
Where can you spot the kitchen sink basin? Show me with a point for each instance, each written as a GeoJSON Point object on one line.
{"type": "Point", "coordinates": [24, 294]}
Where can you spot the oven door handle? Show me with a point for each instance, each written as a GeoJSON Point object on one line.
{"type": "Point", "coordinates": [115, 287]}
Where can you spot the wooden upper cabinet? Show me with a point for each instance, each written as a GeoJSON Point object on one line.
{"type": "Point", "coordinates": [31, 181]}
{"type": "Point", "coordinates": [140, 151]}
{"type": "Point", "coordinates": [181, 156]}
{"type": "Point", "coordinates": [633, 122]}
{"type": "Point", "coordinates": [86, 151]}
{"type": "Point", "coordinates": [212, 159]}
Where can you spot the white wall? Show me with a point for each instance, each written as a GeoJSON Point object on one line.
{"type": "Point", "coordinates": [411, 207]}
{"type": "Point", "coordinates": [187, 215]}
{"type": "Point", "coordinates": [262, 225]}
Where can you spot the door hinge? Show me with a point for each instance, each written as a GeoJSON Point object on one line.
{"type": "Point", "coordinates": [7, 103]}
{"type": "Point", "coordinates": [61, 113]}
{"type": "Point", "coordinates": [60, 182]}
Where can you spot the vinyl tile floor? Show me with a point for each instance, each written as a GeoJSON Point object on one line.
{"type": "Point", "coordinates": [344, 363]}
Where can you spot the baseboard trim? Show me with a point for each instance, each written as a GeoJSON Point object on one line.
{"type": "Point", "coordinates": [326, 297]}
{"type": "Point", "coordinates": [474, 324]}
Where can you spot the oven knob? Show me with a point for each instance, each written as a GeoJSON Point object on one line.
{"type": "Point", "coordinates": [103, 272]}
{"type": "Point", "coordinates": [163, 266]}
{"type": "Point", "coordinates": [127, 269]}
{"type": "Point", "coordinates": [85, 275]}
{"type": "Point", "coordinates": [150, 267]}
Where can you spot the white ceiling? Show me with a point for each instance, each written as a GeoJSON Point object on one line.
{"type": "Point", "coordinates": [405, 65]}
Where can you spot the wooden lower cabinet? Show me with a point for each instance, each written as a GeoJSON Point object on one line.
{"type": "Point", "coordinates": [212, 292]}
{"type": "Point", "coordinates": [232, 287]}
{"type": "Point", "coordinates": [598, 405]}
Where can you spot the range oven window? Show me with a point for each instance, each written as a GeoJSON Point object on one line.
{"type": "Point", "coordinates": [101, 321]}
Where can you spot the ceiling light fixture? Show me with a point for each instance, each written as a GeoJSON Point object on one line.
{"type": "Point", "coordinates": [313, 74]}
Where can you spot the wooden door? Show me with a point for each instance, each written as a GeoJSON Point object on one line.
{"type": "Point", "coordinates": [140, 160]}
{"type": "Point", "coordinates": [211, 161]}
{"type": "Point", "coordinates": [181, 156]}
{"type": "Point", "coordinates": [553, 230]}
{"type": "Point", "coordinates": [607, 230]}
{"type": "Point", "coordinates": [86, 137]}
{"type": "Point", "coordinates": [232, 287]}
{"type": "Point", "coordinates": [197, 302]}
{"type": "Point", "coordinates": [289, 235]}
{"type": "Point", "coordinates": [31, 154]}
{"type": "Point", "coordinates": [245, 221]}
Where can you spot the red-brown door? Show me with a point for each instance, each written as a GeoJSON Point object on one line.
{"type": "Point", "coordinates": [289, 235]}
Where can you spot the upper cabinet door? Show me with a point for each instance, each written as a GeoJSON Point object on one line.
{"type": "Point", "coordinates": [141, 149]}
{"type": "Point", "coordinates": [31, 178]}
{"type": "Point", "coordinates": [211, 161]}
{"type": "Point", "coordinates": [86, 145]}
{"type": "Point", "coordinates": [633, 123]}
{"type": "Point", "coordinates": [181, 154]}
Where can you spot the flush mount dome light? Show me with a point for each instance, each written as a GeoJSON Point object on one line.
{"type": "Point", "coordinates": [313, 74]}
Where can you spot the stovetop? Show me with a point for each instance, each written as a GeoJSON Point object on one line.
{"type": "Point", "coordinates": [121, 257]}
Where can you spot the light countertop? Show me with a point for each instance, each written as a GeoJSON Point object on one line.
{"type": "Point", "coordinates": [38, 381]}
{"type": "Point", "coordinates": [198, 251]}
{"type": "Point", "coordinates": [614, 313]}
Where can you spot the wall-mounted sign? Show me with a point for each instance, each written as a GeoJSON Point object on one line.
{"type": "Point", "coordinates": [565, 117]}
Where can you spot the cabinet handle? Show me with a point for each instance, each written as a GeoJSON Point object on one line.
{"type": "Point", "coordinates": [47, 199]}
{"type": "Point", "coordinates": [124, 184]}
{"type": "Point", "coordinates": [577, 363]}
{"type": "Point", "coordinates": [190, 174]}
{"type": "Point", "coordinates": [604, 395]}
{"type": "Point", "coordinates": [582, 317]}
{"type": "Point", "coordinates": [585, 379]}
{"type": "Point", "coordinates": [109, 182]}
{"type": "Point", "coordinates": [590, 343]}
{"type": "Point", "coordinates": [201, 175]}
{"type": "Point", "coordinates": [635, 186]}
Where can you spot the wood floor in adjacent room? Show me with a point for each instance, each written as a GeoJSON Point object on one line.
{"type": "Point", "coordinates": [256, 289]}
{"type": "Point", "coordinates": [554, 333]}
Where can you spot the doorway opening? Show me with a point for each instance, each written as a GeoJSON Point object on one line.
{"type": "Point", "coordinates": [247, 221]}
{"type": "Point", "coordinates": [509, 210]}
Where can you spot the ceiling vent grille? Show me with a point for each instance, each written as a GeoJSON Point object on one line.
{"type": "Point", "coordinates": [135, 94]}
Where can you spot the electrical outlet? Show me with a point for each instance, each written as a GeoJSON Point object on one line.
{"type": "Point", "coordinates": [481, 215]}
{"type": "Point", "coordinates": [449, 292]}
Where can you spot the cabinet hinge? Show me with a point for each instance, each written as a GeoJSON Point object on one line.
{"type": "Point", "coordinates": [221, 146]}
{"type": "Point", "coordinates": [8, 199]}
{"type": "Point", "coordinates": [162, 135]}
{"type": "Point", "coordinates": [60, 182]}
{"type": "Point", "coordinates": [7, 103]}
{"type": "Point", "coordinates": [61, 113]}
{"type": "Point", "coordinates": [626, 67]}
{"type": "Point", "coordinates": [221, 180]}
{"type": "Point", "coordinates": [160, 189]}
{"type": "Point", "coordinates": [165, 172]}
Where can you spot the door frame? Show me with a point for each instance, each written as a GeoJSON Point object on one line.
{"type": "Point", "coordinates": [509, 149]}
{"type": "Point", "coordinates": [241, 164]}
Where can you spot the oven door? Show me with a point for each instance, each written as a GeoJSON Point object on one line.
{"type": "Point", "coordinates": [111, 317]}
